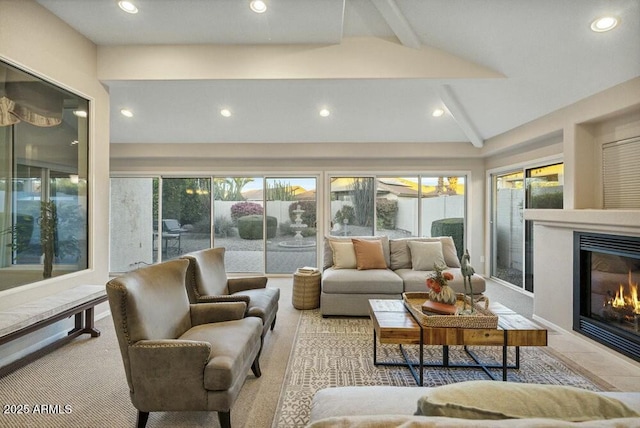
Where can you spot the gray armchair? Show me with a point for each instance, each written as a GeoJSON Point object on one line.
{"type": "Point", "coordinates": [178, 356]}
{"type": "Point", "coordinates": [207, 282]}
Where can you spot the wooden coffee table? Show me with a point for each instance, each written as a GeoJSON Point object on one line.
{"type": "Point", "coordinates": [394, 324]}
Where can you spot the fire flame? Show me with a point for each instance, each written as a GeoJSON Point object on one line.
{"type": "Point", "coordinates": [631, 301]}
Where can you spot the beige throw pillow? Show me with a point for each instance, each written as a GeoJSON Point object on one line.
{"type": "Point", "coordinates": [344, 255]}
{"type": "Point", "coordinates": [487, 399]}
{"type": "Point", "coordinates": [424, 255]}
{"type": "Point", "coordinates": [400, 256]}
{"type": "Point", "coordinates": [369, 254]}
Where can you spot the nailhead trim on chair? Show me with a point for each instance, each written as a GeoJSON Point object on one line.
{"type": "Point", "coordinates": [123, 309]}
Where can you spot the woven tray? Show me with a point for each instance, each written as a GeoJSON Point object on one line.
{"type": "Point", "coordinates": [482, 318]}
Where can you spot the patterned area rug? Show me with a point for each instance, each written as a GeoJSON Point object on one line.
{"type": "Point", "coordinates": [331, 352]}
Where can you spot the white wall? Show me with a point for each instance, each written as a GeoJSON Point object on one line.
{"type": "Point", "coordinates": [130, 229]}
{"type": "Point", "coordinates": [37, 41]}
{"type": "Point", "coordinates": [582, 128]}
{"type": "Point", "coordinates": [33, 39]}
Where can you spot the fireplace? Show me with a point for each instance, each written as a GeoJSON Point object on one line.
{"type": "Point", "coordinates": [606, 304]}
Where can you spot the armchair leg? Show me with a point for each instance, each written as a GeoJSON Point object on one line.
{"type": "Point", "coordinates": [273, 323]}
{"type": "Point", "coordinates": [255, 367]}
{"type": "Point", "coordinates": [225, 419]}
{"type": "Point", "coordinates": [142, 419]}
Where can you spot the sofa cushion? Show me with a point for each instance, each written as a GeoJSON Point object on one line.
{"type": "Point", "coordinates": [400, 254]}
{"type": "Point", "coordinates": [369, 254]}
{"type": "Point", "coordinates": [511, 400]}
{"type": "Point", "coordinates": [426, 255]}
{"type": "Point", "coordinates": [328, 253]}
{"type": "Point", "coordinates": [353, 281]}
{"type": "Point", "coordinates": [416, 280]}
{"type": "Point", "coordinates": [404, 421]}
{"type": "Point", "coordinates": [344, 255]}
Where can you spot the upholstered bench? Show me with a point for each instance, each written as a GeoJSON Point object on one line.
{"type": "Point", "coordinates": [26, 318]}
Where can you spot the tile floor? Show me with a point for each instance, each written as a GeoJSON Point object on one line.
{"type": "Point", "coordinates": [621, 372]}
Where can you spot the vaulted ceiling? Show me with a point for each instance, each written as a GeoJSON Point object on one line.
{"type": "Point", "coordinates": [379, 66]}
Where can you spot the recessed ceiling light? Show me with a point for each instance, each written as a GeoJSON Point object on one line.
{"type": "Point", "coordinates": [225, 112]}
{"type": "Point", "coordinates": [604, 23]}
{"type": "Point", "coordinates": [126, 112]}
{"type": "Point", "coordinates": [437, 112]}
{"type": "Point", "coordinates": [324, 112]}
{"type": "Point", "coordinates": [258, 6]}
{"type": "Point", "coordinates": [80, 113]}
{"type": "Point", "coordinates": [128, 6]}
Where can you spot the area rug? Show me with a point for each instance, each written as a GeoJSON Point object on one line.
{"type": "Point", "coordinates": [330, 352]}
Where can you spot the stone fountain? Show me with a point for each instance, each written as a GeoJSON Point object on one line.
{"type": "Point", "coordinates": [298, 226]}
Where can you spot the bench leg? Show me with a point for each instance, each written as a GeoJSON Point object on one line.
{"type": "Point", "coordinates": [89, 324]}
{"type": "Point", "coordinates": [84, 324]}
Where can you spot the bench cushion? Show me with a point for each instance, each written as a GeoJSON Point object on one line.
{"type": "Point", "coordinates": [18, 317]}
{"type": "Point", "coordinates": [353, 281]}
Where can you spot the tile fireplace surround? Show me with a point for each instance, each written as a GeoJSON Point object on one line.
{"type": "Point", "coordinates": [553, 255]}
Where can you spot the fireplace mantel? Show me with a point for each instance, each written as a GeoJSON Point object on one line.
{"type": "Point", "coordinates": [553, 243]}
{"type": "Point", "coordinates": [587, 219]}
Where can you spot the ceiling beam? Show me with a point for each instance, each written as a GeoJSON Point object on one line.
{"type": "Point", "coordinates": [391, 13]}
{"type": "Point", "coordinates": [460, 115]}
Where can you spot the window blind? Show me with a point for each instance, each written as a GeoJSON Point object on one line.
{"type": "Point", "coordinates": [621, 174]}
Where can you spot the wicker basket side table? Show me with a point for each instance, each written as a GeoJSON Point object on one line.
{"type": "Point", "coordinates": [306, 290]}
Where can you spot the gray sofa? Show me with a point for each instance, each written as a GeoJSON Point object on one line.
{"type": "Point", "coordinates": [346, 291]}
{"type": "Point", "coordinates": [389, 406]}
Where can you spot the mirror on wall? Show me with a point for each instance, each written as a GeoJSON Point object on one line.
{"type": "Point", "coordinates": [43, 179]}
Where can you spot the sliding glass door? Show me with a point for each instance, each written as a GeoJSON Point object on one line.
{"type": "Point", "coordinates": [544, 187]}
{"type": "Point", "coordinates": [540, 187]}
{"type": "Point", "coordinates": [291, 225]}
{"type": "Point", "coordinates": [507, 233]}
{"type": "Point", "coordinates": [238, 220]}
{"type": "Point", "coordinates": [186, 217]}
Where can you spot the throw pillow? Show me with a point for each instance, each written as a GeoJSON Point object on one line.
{"type": "Point", "coordinates": [400, 256]}
{"type": "Point", "coordinates": [424, 255]}
{"type": "Point", "coordinates": [344, 255]}
{"type": "Point", "coordinates": [449, 251]}
{"type": "Point", "coordinates": [369, 254]}
{"type": "Point", "coordinates": [508, 400]}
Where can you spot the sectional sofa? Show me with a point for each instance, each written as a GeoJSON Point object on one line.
{"type": "Point", "coordinates": [359, 268]}
{"type": "Point", "coordinates": [478, 404]}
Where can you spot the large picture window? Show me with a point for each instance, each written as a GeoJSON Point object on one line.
{"type": "Point", "coordinates": [43, 179]}
{"type": "Point", "coordinates": [399, 206]}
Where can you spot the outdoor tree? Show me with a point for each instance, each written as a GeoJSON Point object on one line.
{"type": "Point", "coordinates": [363, 191]}
{"type": "Point", "coordinates": [229, 189]}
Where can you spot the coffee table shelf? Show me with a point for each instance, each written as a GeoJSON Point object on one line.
{"type": "Point", "coordinates": [394, 324]}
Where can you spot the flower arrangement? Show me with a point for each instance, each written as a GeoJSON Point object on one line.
{"type": "Point", "coordinates": [439, 289]}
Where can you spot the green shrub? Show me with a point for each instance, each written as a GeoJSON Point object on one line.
{"type": "Point", "coordinates": [309, 231]}
{"type": "Point", "coordinates": [308, 216]}
{"type": "Point", "coordinates": [386, 211]}
{"type": "Point", "coordinates": [547, 200]}
{"type": "Point", "coordinates": [346, 212]}
{"type": "Point", "coordinates": [250, 227]}
{"type": "Point", "coordinates": [242, 209]}
{"type": "Point", "coordinates": [223, 227]}
{"type": "Point", "coordinates": [453, 227]}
